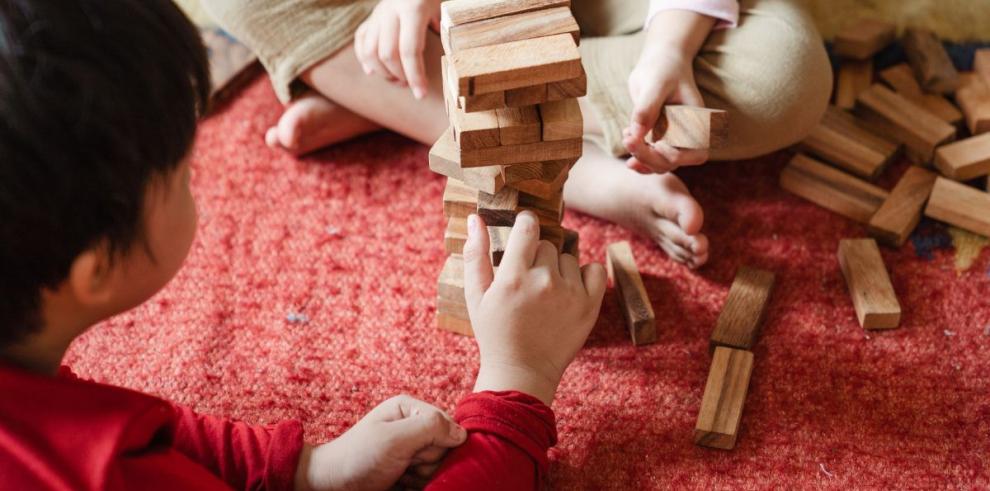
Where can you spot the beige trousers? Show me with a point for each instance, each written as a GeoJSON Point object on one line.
{"type": "Point", "coordinates": [771, 72]}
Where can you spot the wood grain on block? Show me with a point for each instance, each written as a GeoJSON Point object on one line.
{"type": "Point", "coordinates": [568, 89]}
{"type": "Point", "coordinates": [893, 223]}
{"type": "Point", "coordinates": [481, 102]}
{"type": "Point", "coordinates": [455, 235]}
{"type": "Point", "coordinates": [519, 125]}
{"type": "Point", "coordinates": [519, 154]}
{"type": "Point", "coordinates": [544, 171]}
{"type": "Point", "coordinates": [633, 300]}
{"type": "Point", "coordinates": [543, 188]}
{"type": "Point", "coordinates": [864, 39]}
{"type": "Point", "coordinates": [459, 199]}
{"type": "Point", "coordinates": [919, 130]}
{"type": "Point", "coordinates": [554, 234]}
{"type": "Point", "coordinates": [869, 285]}
{"type": "Point", "coordinates": [471, 130]}
{"type": "Point", "coordinates": [854, 77]}
{"type": "Point", "coordinates": [724, 398]}
{"type": "Point", "coordinates": [500, 209]}
{"type": "Point", "coordinates": [973, 98]}
{"type": "Point", "coordinates": [526, 96]}
{"type": "Point", "coordinates": [745, 309]}
{"type": "Point", "coordinates": [516, 27]}
{"type": "Point", "coordinates": [964, 159]}
{"type": "Point", "coordinates": [562, 120]}
{"type": "Point", "coordinates": [457, 12]}
{"type": "Point", "coordinates": [901, 79]}
{"type": "Point", "coordinates": [443, 160]}
{"type": "Point", "coordinates": [453, 323]}
{"type": "Point", "coordinates": [572, 243]}
{"type": "Point", "coordinates": [849, 144]}
{"type": "Point", "coordinates": [515, 64]}
{"type": "Point", "coordinates": [981, 64]}
{"type": "Point", "coordinates": [832, 189]}
{"type": "Point", "coordinates": [450, 285]}
{"type": "Point", "coordinates": [498, 239]}
{"type": "Point", "coordinates": [960, 205]}
{"type": "Point", "coordinates": [930, 62]}
{"type": "Point", "coordinates": [692, 127]}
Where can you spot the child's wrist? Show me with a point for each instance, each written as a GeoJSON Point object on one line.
{"type": "Point", "coordinates": [500, 376]}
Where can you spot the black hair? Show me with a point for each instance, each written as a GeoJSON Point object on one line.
{"type": "Point", "coordinates": [97, 99]}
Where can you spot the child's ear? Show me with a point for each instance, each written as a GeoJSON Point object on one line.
{"type": "Point", "coordinates": [91, 276]}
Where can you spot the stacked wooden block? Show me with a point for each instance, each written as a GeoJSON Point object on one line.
{"type": "Point", "coordinates": [906, 109]}
{"type": "Point", "coordinates": [512, 74]}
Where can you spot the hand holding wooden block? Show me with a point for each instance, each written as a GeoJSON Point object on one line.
{"type": "Point", "coordinates": [869, 285]}
{"type": "Point", "coordinates": [744, 310]}
{"type": "Point", "coordinates": [636, 308]}
{"type": "Point", "coordinates": [692, 127]}
{"type": "Point", "coordinates": [725, 396]}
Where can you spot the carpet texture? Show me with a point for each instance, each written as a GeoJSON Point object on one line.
{"type": "Point", "coordinates": [309, 294]}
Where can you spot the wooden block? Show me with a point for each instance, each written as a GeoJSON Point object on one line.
{"type": "Point", "coordinates": [443, 160]}
{"type": "Point", "coordinates": [981, 64]}
{"type": "Point", "coordinates": [864, 39]}
{"type": "Point", "coordinates": [931, 64]}
{"type": "Point", "coordinates": [744, 310]}
{"type": "Point", "coordinates": [457, 12]}
{"type": "Point", "coordinates": [568, 89]}
{"type": "Point", "coordinates": [965, 159]}
{"type": "Point", "coordinates": [869, 285]}
{"type": "Point", "coordinates": [542, 188]}
{"type": "Point", "coordinates": [519, 154]}
{"type": "Point", "coordinates": [832, 189]}
{"type": "Point", "coordinates": [960, 205]}
{"type": "Point", "coordinates": [471, 130]}
{"type": "Point", "coordinates": [725, 396]}
{"type": "Point", "coordinates": [844, 141]}
{"type": "Point", "coordinates": [635, 304]}
{"type": "Point", "coordinates": [516, 27]}
{"type": "Point", "coordinates": [854, 77]}
{"type": "Point", "coordinates": [519, 125]}
{"type": "Point", "coordinates": [526, 96]}
{"type": "Point", "coordinates": [500, 210]}
{"type": "Point", "coordinates": [455, 235]}
{"type": "Point", "coordinates": [498, 239]}
{"type": "Point", "coordinates": [562, 120]}
{"type": "Point", "coordinates": [572, 243]}
{"type": "Point", "coordinates": [459, 199]}
{"type": "Point", "coordinates": [919, 130]}
{"type": "Point", "coordinates": [481, 102]}
{"type": "Point", "coordinates": [893, 223]}
{"type": "Point", "coordinates": [454, 324]}
{"type": "Point", "coordinates": [973, 98]}
{"type": "Point", "coordinates": [450, 285]}
{"type": "Point", "coordinates": [901, 79]}
{"type": "Point", "coordinates": [515, 64]}
{"type": "Point", "coordinates": [692, 127]}
{"type": "Point", "coordinates": [544, 171]}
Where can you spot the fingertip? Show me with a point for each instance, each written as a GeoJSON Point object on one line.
{"type": "Point", "coordinates": [457, 433]}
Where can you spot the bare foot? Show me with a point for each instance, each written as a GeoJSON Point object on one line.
{"type": "Point", "coordinates": [658, 206]}
{"type": "Point", "coordinates": [312, 122]}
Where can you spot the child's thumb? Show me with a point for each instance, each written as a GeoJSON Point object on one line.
{"type": "Point", "coordinates": [418, 431]}
{"type": "Point", "coordinates": [478, 273]}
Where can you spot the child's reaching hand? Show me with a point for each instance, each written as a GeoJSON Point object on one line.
{"type": "Point", "coordinates": [401, 436]}
{"type": "Point", "coordinates": [391, 41]}
{"type": "Point", "coordinates": [531, 318]}
{"type": "Point", "coordinates": [664, 74]}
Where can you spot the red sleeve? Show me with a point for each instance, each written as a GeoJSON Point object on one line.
{"type": "Point", "coordinates": [509, 434]}
{"type": "Point", "coordinates": [246, 457]}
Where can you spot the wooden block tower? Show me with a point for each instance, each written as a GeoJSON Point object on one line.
{"type": "Point", "coordinates": [511, 75]}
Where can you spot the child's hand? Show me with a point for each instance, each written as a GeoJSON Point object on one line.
{"type": "Point", "coordinates": [532, 317]}
{"type": "Point", "coordinates": [402, 436]}
{"type": "Point", "coordinates": [391, 41]}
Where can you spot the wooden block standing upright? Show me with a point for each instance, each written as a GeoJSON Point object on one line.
{"type": "Point", "coordinates": [854, 77]}
{"type": "Point", "coordinates": [931, 64]}
{"type": "Point", "coordinates": [981, 64]}
{"type": "Point", "coordinates": [846, 142]}
{"type": "Point", "coordinates": [744, 310]}
{"type": "Point", "coordinates": [960, 205]}
{"type": "Point", "coordinates": [692, 127]}
{"type": "Point", "coordinates": [869, 285]}
{"type": "Point", "coordinates": [725, 396]}
{"type": "Point", "coordinates": [965, 159]}
{"type": "Point", "coordinates": [919, 130]}
{"type": "Point", "coordinates": [893, 223]}
{"type": "Point", "coordinates": [832, 189]}
{"type": "Point", "coordinates": [973, 98]}
{"type": "Point", "coordinates": [635, 303]}
{"type": "Point", "coordinates": [864, 39]}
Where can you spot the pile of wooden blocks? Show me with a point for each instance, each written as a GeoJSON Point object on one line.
{"type": "Point", "coordinates": [512, 75]}
{"type": "Point", "coordinates": [907, 109]}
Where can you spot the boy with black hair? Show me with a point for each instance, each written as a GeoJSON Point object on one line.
{"type": "Point", "coordinates": [98, 108]}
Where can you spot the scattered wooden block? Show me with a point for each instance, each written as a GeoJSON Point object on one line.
{"type": "Point", "coordinates": [519, 125]}
{"type": "Point", "coordinates": [481, 102]}
{"type": "Point", "coordinates": [919, 130]}
{"type": "Point", "coordinates": [500, 209]}
{"type": "Point", "coordinates": [568, 89]}
{"type": "Point", "coordinates": [981, 64]}
{"type": "Point", "coordinates": [744, 310]}
{"type": "Point", "coordinates": [526, 96]}
{"type": "Point", "coordinates": [832, 189]}
{"type": "Point", "coordinates": [516, 27]}
{"type": "Point", "coordinates": [901, 79]}
{"type": "Point", "coordinates": [460, 12]}
{"type": "Point", "coordinates": [443, 160]}
{"type": "Point", "coordinates": [692, 127]}
{"type": "Point", "coordinates": [893, 223]}
{"type": "Point", "coordinates": [864, 39]}
{"type": "Point", "coordinates": [562, 120]}
{"type": "Point", "coordinates": [572, 243]}
{"type": "Point", "coordinates": [635, 303]}
{"type": "Point", "coordinates": [973, 98]}
{"type": "Point", "coordinates": [515, 64]}
{"type": "Point", "coordinates": [725, 396]}
{"type": "Point", "coordinates": [459, 199]}
{"type": "Point", "coordinates": [544, 171]}
{"type": "Point", "coordinates": [455, 235]}
{"type": "Point", "coordinates": [854, 77]}
{"type": "Point", "coordinates": [869, 285]}
{"type": "Point", "coordinates": [931, 64]}
{"type": "Point", "coordinates": [842, 140]}
{"type": "Point", "coordinates": [544, 188]}
{"type": "Point", "coordinates": [960, 205]}
{"type": "Point", "coordinates": [498, 239]}
{"type": "Point", "coordinates": [965, 159]}
{"type": "Point", "coordinates": [519, 154]}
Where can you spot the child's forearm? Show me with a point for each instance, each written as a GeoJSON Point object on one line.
{"type": "Point", "coordinates": [682, 31]}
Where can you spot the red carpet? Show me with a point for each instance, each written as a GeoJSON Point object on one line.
{"type": "Point", "coordinates": [309, 294]}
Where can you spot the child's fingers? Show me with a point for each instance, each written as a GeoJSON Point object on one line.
{"type": "Point", "coordinates": [637, 166]}
{"type": "Point", "coordinates": [547, 257]}
{"type": "Point", "coordinates": [594, 281]}
{"type": "Point", "coordinates": [424, 429]}
{"type": "Point", "coordinates": [646, 155]}
{"type": "Point", "coordinates": [388, 47]}
{"type": "Point", "coordinates": [412, 40]}
{"type": "Point", "coordinates": [429, 455]}
{"type": "Point", "coordinates": [569, 269]}
{"type": "Point", "coordinates": [370, 50]}
{"type": "Point", "coordinates": [477, 263]}
{"type": "Point", "coordinates": [681, 157]}
{"type": "Point", "coordinates": [359, 47]}
{"type": "Point", "coordinates": [520, 250]}
{"type": "Point", "coordinates": [646, 109]}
